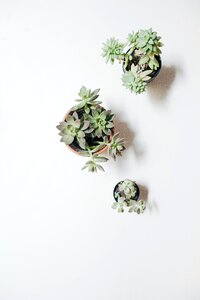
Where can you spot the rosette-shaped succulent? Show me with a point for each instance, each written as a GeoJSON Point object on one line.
{"type": "Point", "coordinates": [126, 194]}
{"type": "Point", "coordinates": [101, 121]}
{"type": "Point", "coordinates": [128, 187]}
{"type": "Point", "coordinates": [87, 99]}
{"type": "Point", "coordinates": [112, 50]}
{"type": "Point", "coordinates": [116, 146]}
{"type": "Point", "coordinates": [136, 80]}
{"type": "Point", "coordinates": [148, 42]}
{"type": "Point", "coordinates": [73, 128]}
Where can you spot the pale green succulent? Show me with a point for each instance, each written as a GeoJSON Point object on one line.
{"type": "Point", "coordinates": [93, 164]}
{"type": "Point", "coordinates": [120, 204]}
{"type": "Point", "coordinates": [149, 45]}
{"type": "Point", "coordinates": [116, 146]}
{"type": "Point", "coordinates": [143, 49]}
{"type": "Point", "coordinates": [132, 39]}
{"type": "Point", "coordinates": [88, 128]}
{"type": "Point", "coordinates": [113, 50]}
{"type": "Point", "coordinates": [128, 188]}
{"type": "Point", "coordinates": [73, 128]}
{"type": "Point", "coordinates": [126, 194]}
{"type": "Point", "coordinates": [136, 80]}
{"type": "Point", "coordinates": [101, 121]}
{"type": "Point", "coordinates": [138, 206]}
{"type": "Point", "coordinates": [87, 99]}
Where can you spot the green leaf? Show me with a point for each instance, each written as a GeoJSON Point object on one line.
{"type": "Point", "coordinates": [100, 167]}
{"type": "Point", "coordinates": [144, 60]}
{"type": "Point", "coordinates": [131, 209]}
{"type": "Point", "coordinates": [114, 205]}
{"type": "Point", "coordinates": [67, 139]}
{"type": "Point", "coordinates": [101, 159]}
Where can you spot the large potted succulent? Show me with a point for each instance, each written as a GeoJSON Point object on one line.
{"type": "Point", "coordinates": [126, 194]}
{"type": "Point", "coordinates": [140, 57]}
{"type": "Point", "coordinates": [88, 130]}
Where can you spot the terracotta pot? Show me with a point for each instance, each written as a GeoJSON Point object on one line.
{"type": "Point", "coordinates": [76, 149]}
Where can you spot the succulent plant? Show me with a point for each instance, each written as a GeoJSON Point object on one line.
{"type": "Point", "coordinates": [112, 50]}
{"type": "Point", "coordinates": [87, 99]}
{"type": "Point", "coordinates": [149, 44]}
{"type": "Point", "coordinates": [88, 127]}
{"type": "Point", "coordinates": [73, 128]}
{"type": "Point", "coordinates": [116, 146]}
{"type": "Point", "coordinates": [101, 121]}
{"type": "Point", "coordinates": [136, 80]}
{"type": "Point", "coordinates": [93, 164]}
{"type": "Point", "coordinates": [143, 49]}
{"type": "Point", "coordinates": [120, 204]}
{"type": "Point", "coordinates": [126, 194]}
{"type": "Point", "coordinates": [138, 206]}
{"type": "Point", "coordinates": [127, 187]}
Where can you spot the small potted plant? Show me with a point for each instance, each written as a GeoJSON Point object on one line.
{"type": "Point", "coordinates": [126, 194]}
{"type": "Point", "coordinates": [88, 130]}
{"type": "Point", "coordinates": [140, 56]}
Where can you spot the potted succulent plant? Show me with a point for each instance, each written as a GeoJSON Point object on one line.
{"type": "Point", "coordinates": [126, 194]}
{"type": "Point", "coordinates": [88, 130]}
{"type": "Point", "coordinates": [140, 56]}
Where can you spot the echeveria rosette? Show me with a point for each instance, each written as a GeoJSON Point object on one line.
{"type": "Point", "coordinates": [136, 80]}
{"type": "Point", "coordinates": [101, 121]}
{"type": "Point", "coordinates": [73, 128]}
{"type": "Point", "coordinates": [112, 50]}
{"type": "Point", "coordinates": [128, 187]}
{"type": "Point", "coordinates": [148, 42]}
{"type": "Point", "coordinates": [87, 99]}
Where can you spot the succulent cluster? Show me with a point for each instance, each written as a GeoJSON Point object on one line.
{"type": "Point", "coordinates": [141, 50]}
{"type": "Point", "coordinates": [136, 81]}
{"type": "Point", "coordinates": [126, 195]}
{"type": "Point", "coordinates": [89, 128]}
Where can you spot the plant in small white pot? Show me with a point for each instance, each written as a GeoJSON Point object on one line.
{"type": "Point", "coordinates": [126, 194]}
{"type": "Point", "coordinates": [140, 56]}
{"type": "Point", "coordinates": [88, 130]}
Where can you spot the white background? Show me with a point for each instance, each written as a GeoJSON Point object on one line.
{"type": "Point", "coordinates": [59, 237]}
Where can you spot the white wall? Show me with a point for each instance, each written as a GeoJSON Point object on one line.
{"type": "Point", "coordinates": [59, 237]}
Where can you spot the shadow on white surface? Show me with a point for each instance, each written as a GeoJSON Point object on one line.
{"type": "Point", "coordinates": [152, 205]}
{"type": "Point", "coordinates": [130, 137]}
{"type": "Point", "coordinates": [143, 192]}
{"type": "Point", "coordinates": [160, 86]}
